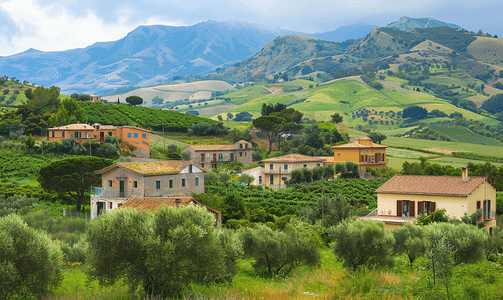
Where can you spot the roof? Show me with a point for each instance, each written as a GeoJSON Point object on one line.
{"type": "Point", "coordinates": [358, 145]}
{"type": "Point", "coordinates": [431, 185]}
{"type": "Point", "coordinates": [107, 127]}
{"type": "Point", "coordinates": [295, 157]}
{"type": "Point", "coordinates": [150, 168]}
{"type": "Point", "coordinates": [154, 203]}
{"type": "Point", "coordinates": [327, 159]}
{"type": "Point", "coordinates": [213, 147]}
{"type": "Point", "coordinates": [73, 127]}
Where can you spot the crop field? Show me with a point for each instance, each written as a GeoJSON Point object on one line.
{"type": "Point", "coordinates": [463, 135]}
{"type": "Point", "coordinates": [404, 153]}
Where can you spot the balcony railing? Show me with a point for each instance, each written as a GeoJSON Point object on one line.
{"type": "Point", "coordinates": [106, 193]}
{"type": "Point", "coordinates": [373, 162]}
{"type": "Point", "coordinates": [277, 171]}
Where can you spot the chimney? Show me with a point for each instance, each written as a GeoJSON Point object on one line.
{"type": "Point", "coordinates": [464, 173]}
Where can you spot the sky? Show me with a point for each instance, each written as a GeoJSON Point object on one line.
{"type": "Point", "coordinates": [56, 25]}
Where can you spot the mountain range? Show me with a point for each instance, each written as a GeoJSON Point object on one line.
{"type": "Point", "coordinates": [150, 54]}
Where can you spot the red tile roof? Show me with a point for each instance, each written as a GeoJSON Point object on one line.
{"type": "Point", "coordinates": [213, 147]}
{"type": "Point", "coordinates": [154, 203]}
{"type": "Point", "coordinates": [73, 127]}
{"type": "Point", "coordinates": [431, 185]}
{"type": "Point", "coordinates": [294, 158]}
{"type": "Point", "coordinates": [358, 145]}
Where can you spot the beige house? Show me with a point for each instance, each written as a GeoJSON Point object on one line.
{"type": "Point", "coordinates": [407, 196]}
{"type": "Point", "coordinates": [209, 156]}
{"type": "Point", "coordinates": [279, 169]}
{"type": "Point", "coordinates": [123, 180]}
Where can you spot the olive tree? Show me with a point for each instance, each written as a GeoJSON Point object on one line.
{"type": "Point", "coordinates": [439, 258]}
{"type": "Point", "coordinates": [162, 252]}
{"type": "Point", "coordinates": [30, 262]}
{"type": "Point", "coordinates": [362, 243]}
{"type": "Point", "coordinates": [277, 252]}
{"type": "Point", "coordinates": [409, 240]}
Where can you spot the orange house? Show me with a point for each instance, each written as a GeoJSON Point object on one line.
{"type": "Point", "coordinates": [138, 137]}
{"type": "Point", "coordinates": [362, 151]}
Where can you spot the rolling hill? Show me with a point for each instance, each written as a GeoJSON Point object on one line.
{"type": "Point", "coordinates": [406, 23]}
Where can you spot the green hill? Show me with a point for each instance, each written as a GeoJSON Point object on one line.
{"type": "Point", "coordinates": [140, 116]}
{"type": "Point", "coordinates": [406, 23]}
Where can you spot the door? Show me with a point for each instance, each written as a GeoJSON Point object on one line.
{"type": "Point", "coordinates": [214, 157]}
{"type": "Point", "coordinates": [202, 157]}
{"type": "Point", "coordinates": [232, 156]}
{"type": "Point", "coordinates": [101, 207]}
{"type": "Point", "coordinates": [121, 188]}
{"type": "Point", "coordinates": [102, 137]}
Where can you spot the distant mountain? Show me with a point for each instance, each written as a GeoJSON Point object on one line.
{"type": "Point", "coordinates": [281, 54]}
{"type": "Point", "coordinates": [344, 33]}
{"type": "Point", "coordinates": [146, 55]}
{"type": "Point", "coordinates": [406, 23]}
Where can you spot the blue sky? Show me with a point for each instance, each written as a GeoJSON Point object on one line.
{"type": "Point", "coordinates": [50, 25]}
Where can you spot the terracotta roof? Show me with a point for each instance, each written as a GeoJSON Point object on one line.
{"type": "Point", "coordinates": [328, 159]}
{"type": "Point", "coordinates": [150, 168]}
{"type": "Point", "coordinates": [73, 127]}
{"type": "Point", "coordinates": [154, 203]}
{"type": "Point", "coordinates": [213, 147]}
{"type": "Point", "coordinates": [294, 158]}
{"type": "Point", "coordinates": [358, 145]}
{"type": "Point", "coordinates": [431, 185]}
{"type": "Point", "coordinates": [107, 127]}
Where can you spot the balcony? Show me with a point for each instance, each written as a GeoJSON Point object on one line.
{"type": "Point", "coordinates": [277, 171]}
{"type": "Point", "coordinates": [110, 193]}
{"type": "Point", "coordinates": [368, 163]}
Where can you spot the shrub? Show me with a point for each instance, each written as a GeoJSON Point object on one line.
{"type": "Point", "coordinates": [362, 243]}
{"type": "Point", "coordinates": [277, 253]}
{"type": "Point", "coordinates": [31, 263]}
{"type": "Point", "coordinates": [16, 203]}
{"type": "Point", "coordinates": [409, 240]}
{"type": "Point", "coordinates": [162, 252]}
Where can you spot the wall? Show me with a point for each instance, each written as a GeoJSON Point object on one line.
{"type": "Point", "coordinates": [284, 173]}
{"type": "Point", "coordinates": [256, 173]}
{"type": "Point", "coordinates": [138, 141]}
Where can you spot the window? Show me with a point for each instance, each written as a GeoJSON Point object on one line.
{"type": "Point", "coordinates": [53, 134]}
{"type": "Point", "coordinates": [246, 146]}
{"type": "Point", "coordinates": [240, 146]}
{"type": "Point", "coordinates": [78, 134]}
{"type": "Point", "coordinates": [271, 179]}
{"type": "Point", "coordinates": [158, 185]}
{"type": "Point", "coordinates": [271, 167]}
{"type": "Point", "coordinates": [183, 181]}
{"type": "Point", "coordinates": [197, 181]}
{"type": "Point", "coordinates": [305, 166]}
{"type": "Point", "coordinates": [143, 135]}
{"type": "Point", "coordinates": [486, 210]}
{"type": "Point", "coordinates": [62, 134]}
{"type": "Point", "coordinates": [245, 153]}
{"type": "Point", "coordinates": [129, 135]}
{"type": "Point", "coordinates": [240, 153]}
{"type": "Point", "coordinates": [406, 208]}
{"type": "Point", "coordinates": [109, 133]}
{"type": "Point", "coordinates": [285, 167]}
{"type": "Point", "coordinates": [317, 165]}
{"type": "Point", "coordinates": [220, 157]}
{"type": "Point", "coordinates": [135, 184]}
{"type": "Point", "coordinates": [135, 135]}
{"type": "Point", "coordinates": [260, 180]}
{"type": "Point", "coordinates": [110, 183]}
{"type": "Point", "coordinates": [171, 183]}
{"type": "Point", "coordinates": [110, 205]}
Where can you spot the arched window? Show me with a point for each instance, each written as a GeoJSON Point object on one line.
{"type": "Point", "coordinates": [220, 157]}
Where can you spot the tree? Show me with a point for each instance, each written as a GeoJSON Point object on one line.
{"type": "Point", "coordinates": [161, 252]}
{"type": "Point", "coordinates": [30, 261]}
{"type": "Point", "coordinates": [246, 179]}
{"type": "Point", "coordinates": [220, 118]}
{"type": "Point", "coordinates": [278, 253]}
{"type": "Point", "coordinates": [409, 240]}
{"type": "Point", "coordinates": [69, 112]}
{"type": "Point", "coordinates": [29, 142]}
{"type": "Point", "coordinates": [229, 116]}
{"type": "Point", "coordinates": [494, 104]}
{"type": "Point", "coordinates": [331, 210]}
{"type": "Point", "coordinates": [362, 243]}
{"type": "Point", "coordinates": [271, 126]}
{"type": "Point", "coordinates": [134, 100]}
{"type": "Point", "coordinates": [377, 137]}
{"type": "Point", "coordinates": [40, 98]}
{"type": "Point", "coordinates": [73, 176]}
{"type": "Point", "coordinates": [415, 112]}
{"type": "Point", "coordinates": [336, 118]}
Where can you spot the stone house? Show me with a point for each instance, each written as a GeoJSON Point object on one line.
{"type": "Point", "coordinates": [123, 180]}
{"type": "Point", "coordinates": [209, 156]}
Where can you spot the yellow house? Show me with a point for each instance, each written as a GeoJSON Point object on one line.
{"type": "Point", "coordinates": [279, 169]}
{"type": "Point", "coordinates": [363, 152]}
{"type": "Point", "coordinates": [406, 196]}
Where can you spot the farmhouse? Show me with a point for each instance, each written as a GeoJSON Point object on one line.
{"type": "Point", "coordinates": [279, 169]}
{"type": "Point", "coordinates": [123, 180]}
{"type": "Point", "coordinates": [363, 152]}
{"type": "Point", "coordinates": [154, 203]}
{"type": "Point", "coordinates": [209, 156]}
{"type": "Point", "coordinates": [406, 196]}
{"type": "Point", "coordinates": [138, 137]}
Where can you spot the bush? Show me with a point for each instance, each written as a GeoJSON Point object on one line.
{"type": "Point", "coordinates": [31, 263]}
{"type": "Point", "coordinates": [277, 253]}
{"type": "Point", "coordinates": [409, 240]}
{"type": "Point", "coordinates": [15, 204]}
{"type": "Point", "coordinates": [362, 243]}
{"type": "Point", "coordinates": [162, 252]}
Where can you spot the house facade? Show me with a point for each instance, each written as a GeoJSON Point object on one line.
{"type": "Point", "coordinates": [209, 156]}
{"type": "Point", "coordinates": [124, 180]}
{"type": "Point", "coordinates": [363, 152]}
{"type": "Point", "coordinates": [407, 196]}
{"type": "Point", "coordinates": [138, 137]}
{"type": "Point", "coordinates": [279, 169]}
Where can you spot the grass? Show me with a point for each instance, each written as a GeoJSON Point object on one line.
{"type": "Point", "coordinates": [463, 135]}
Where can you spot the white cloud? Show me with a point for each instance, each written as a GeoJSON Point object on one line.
{"type": "Point", "coordinates": [54, 28]}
